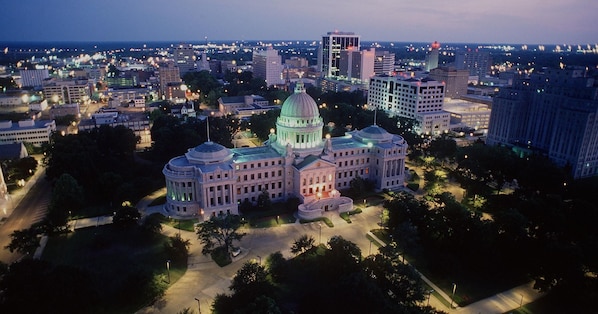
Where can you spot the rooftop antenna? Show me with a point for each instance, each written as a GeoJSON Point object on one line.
{"type": "Point", "coordinates": [208, 127]}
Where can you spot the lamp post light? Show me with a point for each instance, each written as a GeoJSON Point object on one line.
{"type": "Point", "coordinates": [429, 295]}
{"type": "Point", "coordinates": [277, 220]}
{"type": "Point", "coordinates": [453, 297]}
{"type": "Point", "coordinates": [320, 225]}
{"type": "Point", "coordinates": [168, 269]}
{"type": "Point", "coordinates": [198, 306]}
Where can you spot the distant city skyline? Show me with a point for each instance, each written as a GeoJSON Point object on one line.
{"type": "Point", "coordinates": [464, 21]}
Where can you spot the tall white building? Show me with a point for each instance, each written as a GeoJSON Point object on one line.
{"type": "Point", "coordinates": [357, 65]}
{"type": "Point", "coordinates": [420, 99]}
{"type": "Point", "coordinates": [432, 56]}
{"type": "Point", "coordinates": [296, 161]}
{"type": "Point", "coordinates": [33, 78]}
{"type": "Point", "coordinates": [333, 43]}
{"type": "Point", "coordinates": [267, 65]}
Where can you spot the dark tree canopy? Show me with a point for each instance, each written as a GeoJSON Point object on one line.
{"type": "Point", "coordinates": [220, 231]}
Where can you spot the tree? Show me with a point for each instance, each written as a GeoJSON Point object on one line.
{"type": "Point", "coordinates": [220, 231]}
{"type": "Point", "coordinates": [302, 245]}
{"type": "Point", "coordinates": [251, 280]}
{"type": "Point", "coordinates": [261, 124]}
{"type": "Point", "coordinates": [399, 281]}
{"type": "Point", "coordinates": [177, 249]}
{"type": "Point", "coordinates": [263, 200]}
{"type": "Point", "coordinates": [24, 241]}
{"type": "Point", "coordinates": [151, 224]}
{"type": "Point", "coordinates": [342, 257]}
{"type": "Point", "coordinates": [277, 266]}
{"type": "Point", "coordinates": [126, 216]}
{"type": "Point", "coordinates": [67, 195]}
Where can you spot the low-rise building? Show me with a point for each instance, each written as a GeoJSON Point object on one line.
{"type": "Point", "coordinates": [244, 106]}
{"type": "Point", "coordinates": [32, 131]}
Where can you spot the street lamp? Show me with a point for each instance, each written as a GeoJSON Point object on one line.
{"type": "Point", "coordinates": [168, 269]}
{"type": "Point", "coordinates": [320, 225]}
{"type": "Point", "coordinates": [198, 306]}
{"type": "Point", "coordinates": [429, 295]}
{"type": "Point", "coordinates": [453, 297]}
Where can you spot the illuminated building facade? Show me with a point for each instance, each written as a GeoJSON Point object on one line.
{"type": "Point", "coordinates": [267, 65]}
{"type": "Point", "coordinates": [432, 56]}
{"type": "Point", "coordinates": [555, 113]}
{"type": "Point", "coordinates": [296, 161]}
{"type": "Point", "coordinates": [333, 43]}
{"type": "Point", "coordinates": [66, 91]}
{"type": "Point", "coordinates": [184, 56]}
{"type": "Point", "coordinates": [420, 99]}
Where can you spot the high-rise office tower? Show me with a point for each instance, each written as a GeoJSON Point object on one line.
{"type": "Point", "coordinates": [184, 56]}
{"type": "Point", "coordinates": [420, 99]}
{"type": "Point", "coordinates": [267, 65]}
{"type": "Point", "coordinates": [432, 56]}
{"type": "Point", "coordinates": [478, 62]}
{"type": "Point", "coordinates": [330, 51]}
{"type": "Point", "coordinates": [384, 62]}
{"type": "Point", "coordinates": [555, 113]}
{"type": "Point", "coordinates": [357, 65]}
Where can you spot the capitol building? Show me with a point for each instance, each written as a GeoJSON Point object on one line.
{"type": "Point", "coordinates": [296, 161]}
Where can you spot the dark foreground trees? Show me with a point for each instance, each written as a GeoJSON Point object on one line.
{"type": "Point", "coordinates": [335, 279]}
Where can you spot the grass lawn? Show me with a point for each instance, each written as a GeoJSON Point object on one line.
{"type": "Point", "coordinates": [470, 287]}
{"type": "Point", "coordinates": [278, 215]}
{"type": "Point", "coordinates": [128, 267]}
{"type": "Point", "coordinates": [183, 224]}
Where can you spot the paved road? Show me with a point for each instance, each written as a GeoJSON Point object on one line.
{"type": "Point", "coordinates": [204, 279]}
{"type": "Point", "coordinates": [31, 208]}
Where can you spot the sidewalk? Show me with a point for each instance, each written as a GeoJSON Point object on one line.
{"type": "Point", "coordinates": [15, 197]}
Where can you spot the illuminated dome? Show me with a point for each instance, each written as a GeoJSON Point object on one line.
{"type": "Point", "coordinates": [300, 105]}
{"type": "Point", "coordinates": [208, 152]}
{"type": "Point", "coordinates": [299, 124]}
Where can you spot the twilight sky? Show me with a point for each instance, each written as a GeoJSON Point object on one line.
{"type": "Point", "coordinates": [479, 21]}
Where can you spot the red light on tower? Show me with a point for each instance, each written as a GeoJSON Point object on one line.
{"type": "Point", "coordinates": [435, 45]}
